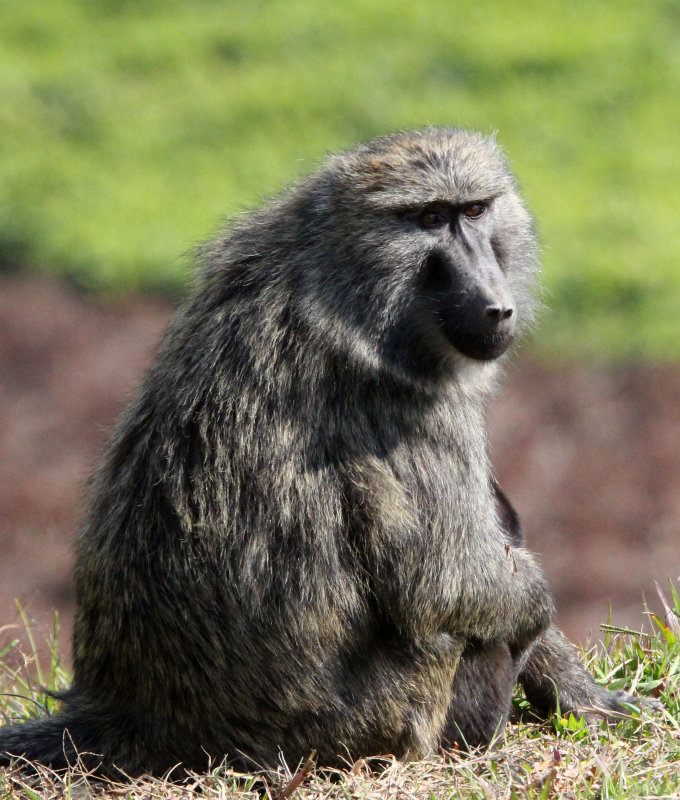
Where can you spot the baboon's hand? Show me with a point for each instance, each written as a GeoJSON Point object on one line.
{"type": "Point", "coordinates": [553, 677]}
{"type": "Point", "coordinates": [618, 702]}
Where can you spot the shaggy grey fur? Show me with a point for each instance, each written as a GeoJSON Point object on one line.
{"type": "Point", "coordinates": [293, 534]}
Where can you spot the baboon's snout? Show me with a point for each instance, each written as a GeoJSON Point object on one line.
{"type": "Point", "coordinates": [482, 324]}
{"type": "Point", "coordinates": [499, 316]}
{"type": "Point", "coordinates": [472, 298]}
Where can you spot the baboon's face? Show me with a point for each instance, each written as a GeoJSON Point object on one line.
{"type": "Point", "coordinates": [434, 247]}
{"type": "Point", "coordinates": [461, 281]}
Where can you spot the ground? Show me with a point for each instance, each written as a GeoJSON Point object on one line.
{"type": "Point", "coordinates": [590, 456]}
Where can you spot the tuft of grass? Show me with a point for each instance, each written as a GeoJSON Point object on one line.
{"type": "Point", "coordinates": [27, 684]}
{"type": "Point", "coordinates": [566, 757]}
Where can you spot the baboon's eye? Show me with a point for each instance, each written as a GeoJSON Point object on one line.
{"type": "Point", "coordinates": [474, 210]}
{"type": "Point", "coordinates": [431, 218]}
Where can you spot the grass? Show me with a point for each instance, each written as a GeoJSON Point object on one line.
{"type": "Point", "coordinates": [129, 130]}
{"type": "Point", "coordinates": [563, 758]}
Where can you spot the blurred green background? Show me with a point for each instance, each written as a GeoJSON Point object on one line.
{"type": "Point", "coordinates": [129, 130]}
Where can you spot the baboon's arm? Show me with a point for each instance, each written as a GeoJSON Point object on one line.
{"type": "Point", "coordinates": [462, 577]}
{"type": "Point", "coordinates": [512, 595]}
{"type": "Point", "coordinates": [552, 674]}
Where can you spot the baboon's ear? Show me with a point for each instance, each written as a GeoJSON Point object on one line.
{"type": "Point", "coordinates": [508, 516]}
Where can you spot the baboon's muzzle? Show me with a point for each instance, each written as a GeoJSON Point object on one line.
{"type": "Point", "coordinates": [482, 324]}
{"type": "Point", "coordinates": [473, 303]}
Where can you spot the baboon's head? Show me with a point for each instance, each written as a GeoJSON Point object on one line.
{"type": "Point", "coordinates": [430, 252]}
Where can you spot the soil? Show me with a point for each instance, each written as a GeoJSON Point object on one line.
{"type": "Point", "coordinates": [590, 457]}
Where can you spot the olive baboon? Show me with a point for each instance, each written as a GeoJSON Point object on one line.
{"type": "Point", "coordinates": [293, 534]}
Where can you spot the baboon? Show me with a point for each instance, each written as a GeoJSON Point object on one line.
{"type": "Point", "coordinates": [293, 541]}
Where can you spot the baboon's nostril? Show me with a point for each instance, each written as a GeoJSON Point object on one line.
{"type": "Point", "coordinates": [498, 312]}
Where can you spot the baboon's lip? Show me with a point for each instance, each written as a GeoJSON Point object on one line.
{"type": "Point", "coordinates": [484, 349]}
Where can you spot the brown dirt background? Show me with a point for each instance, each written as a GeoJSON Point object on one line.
{"type": "Point", "coordinates": [590, 457]}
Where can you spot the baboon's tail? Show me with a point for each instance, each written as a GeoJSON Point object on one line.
{"type": "Point", "coordinates": [64, 740]}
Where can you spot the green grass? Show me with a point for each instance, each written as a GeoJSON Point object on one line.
{"type": "Point", "coordinates": [563, 758]}
{"type": "Point", "coordinates": [128, 130]}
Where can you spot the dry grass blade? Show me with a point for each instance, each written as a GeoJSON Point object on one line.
{"type": "Point", "coordinates": [286, 791]}
{"type": "Point", "coordinates": [670, 617]}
